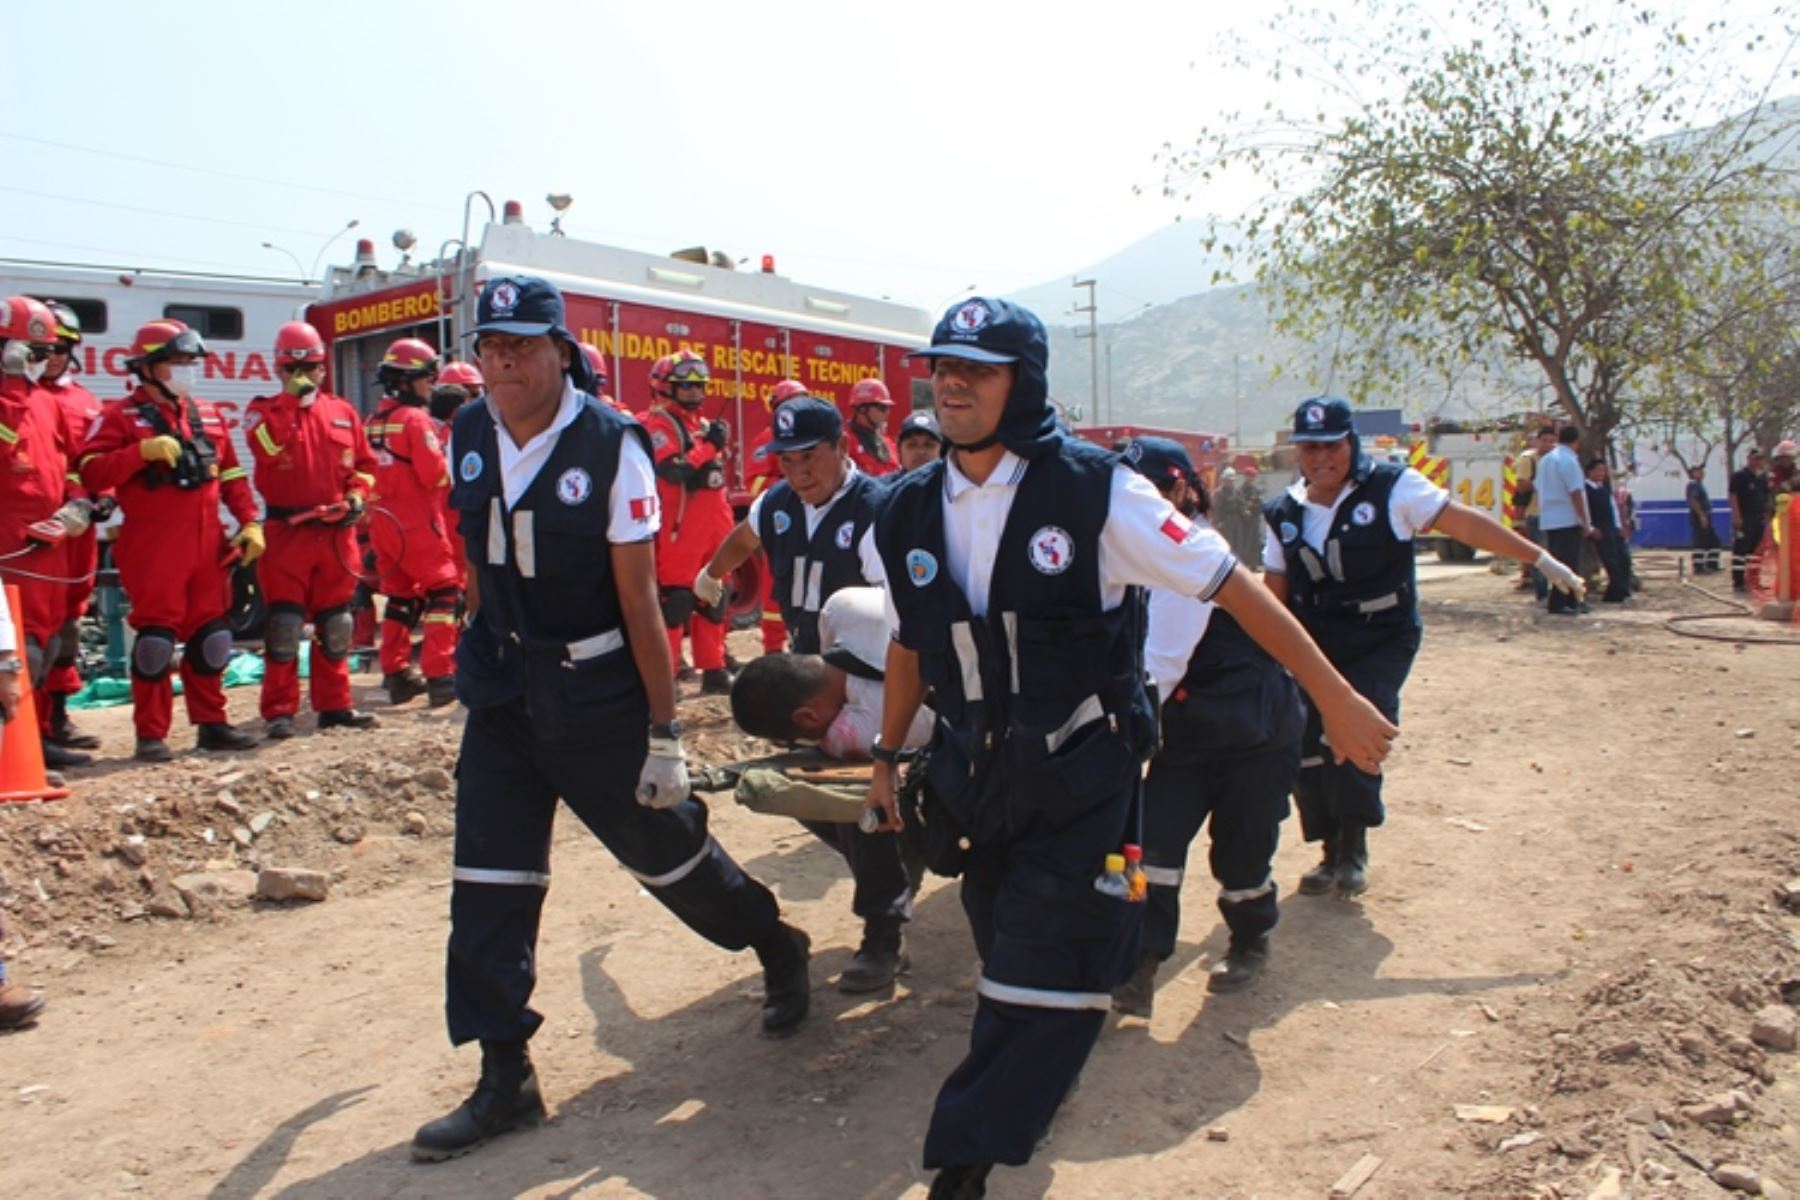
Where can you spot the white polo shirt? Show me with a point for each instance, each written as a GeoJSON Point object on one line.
{"type": "Point", "coordinates": [1414, 505]}
{"type": "Point", "coordinates": [865, 549]}
{"type": "Point", "coordinates": [852, 620]}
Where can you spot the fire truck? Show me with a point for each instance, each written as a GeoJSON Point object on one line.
{"type": "Point", "coordinates": [755, 328]}
{"type": "Point", "coordinates": [1474, 463]}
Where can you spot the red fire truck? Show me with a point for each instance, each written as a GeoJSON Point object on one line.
{"type": "Point", "coordinates": [754, 328]}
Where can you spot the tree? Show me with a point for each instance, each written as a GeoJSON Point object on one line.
{"type": "Point", "coordinates": [1501, 196]}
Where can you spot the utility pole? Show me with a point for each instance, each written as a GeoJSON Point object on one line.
{"type": "Point", "coordinates": [1093, 336]}
{"type": "Point", "coordinates": [1237, 401]}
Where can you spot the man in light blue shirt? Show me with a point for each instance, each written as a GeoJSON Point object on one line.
{"type": "Point", "coordinates": [1562, 510]}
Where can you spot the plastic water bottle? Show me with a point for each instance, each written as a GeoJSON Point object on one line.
{"type": "Point", "coordinates": [1112, 881]}
{"type": "Point", "coordinates": [1137, 883]}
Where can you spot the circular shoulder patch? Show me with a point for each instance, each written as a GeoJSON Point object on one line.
{"type": "Point", "coordinates": [470, 467]}
{"type": "Point", "coordinates": [781, 521]}
{"type": "Point", "coordinates": [574, 486]}
{"type": "Point", "coordinates": [1051, 550]}
{"type": "Point", "coordinates": [1363, 514]}
{"type": "Point", "coordinates": [921, 567]}
{"type": "Point", "coordinates": [1288, 532]}
{"type": "Point", "coordinates": [845, 532]}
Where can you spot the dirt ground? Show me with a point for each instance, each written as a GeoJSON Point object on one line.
{"type": "Point", "coordinates": [1576, 919]}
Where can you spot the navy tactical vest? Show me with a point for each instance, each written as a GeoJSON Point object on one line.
{"type": "Point", "coordinates": [549, 627]}
{"type": "Point", "coordinates": [1042, 716]}
{"type": "Point", "coordinates": [1234, 698]}
{"type": "Point", "coordinates": [808, 570]}
{"type": "Point", "coordinates": [1362, 582]}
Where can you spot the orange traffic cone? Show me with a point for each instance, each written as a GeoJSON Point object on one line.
{"type": "Point", "coordinates": [21, 754]}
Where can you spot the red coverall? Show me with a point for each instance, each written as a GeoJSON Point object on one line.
{"type": "Point", "coordinates": [762, 467]}
{"type": "Point", "coordinates": [866, 462]}
{"type": "Point", "coordinates": [171, 547]}
{"type": "Point", "coordinates": [81, 555]}
{"type": "Point", "coordinates": [305, 456]}
{"type": "Point", "coordinates": [34, 458]}
{"type": "Point", "coordinates": [696, 520]}
{"type": "Point", "coordinates": [406, 526]}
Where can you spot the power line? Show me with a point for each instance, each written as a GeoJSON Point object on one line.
{"type": "Point", "coordinates": [218, 174]}
{"type": "Point", "coordinates": [156, 212]}
{"type": "Point", "coordinates": [126, 254]}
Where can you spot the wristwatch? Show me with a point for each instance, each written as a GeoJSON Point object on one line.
{"type": "Point", "coordinates": [882, 754]}
{"type": "Point", "coordinates": [12, 666]}
{"type": "Point", "coordinates": [671, 730]}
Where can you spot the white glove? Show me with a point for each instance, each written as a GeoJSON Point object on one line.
{"type": "Point", "coordinates": [709, 590]}
{"type": "Point", "coordinates": [1560, 577]}
{"type": "Point", "coordinates": [76, 516]}
{"type": "Point", "coordinates": [663, 783]}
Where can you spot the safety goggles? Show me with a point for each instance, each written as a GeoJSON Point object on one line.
{"type": "Point", "coordinates": [291, 368]}
{"type": "Point", "coordinates": [688, 373]}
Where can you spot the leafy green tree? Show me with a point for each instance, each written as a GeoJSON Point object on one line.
{"type": "Point", "coordinates": [1502, 185]}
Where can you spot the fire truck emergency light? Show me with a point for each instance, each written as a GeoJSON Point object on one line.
{"type": "Point", "coordinates": [513, 213]}
{"type": "Point", "coordinates": [768, 264]}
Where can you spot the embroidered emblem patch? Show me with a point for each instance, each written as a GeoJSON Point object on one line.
{"type": "Point", "coordinates": [1288, 531]}
{"type": "Point", "coordinates": [921, 567]}
{"type": "Point", "coordinates": [470, 467]}
{"type": "Point", "coordinates": [782, 522]}
{"type": "Point", "coordinates": [574, 486]}
{"type": "Point", "coordinates": [1363, 514]}
{"type": "Point", "coordinates": [1051, 550]}
{"type": "Point", "coordinates": [845, 532]}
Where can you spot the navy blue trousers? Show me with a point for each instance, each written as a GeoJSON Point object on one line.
{"type": "Point", "coordinates": [1329, 793]}
{"type": "Point", "coordinates": [882, 886]}
{"type": "Point", "coordinates": [508, 781]}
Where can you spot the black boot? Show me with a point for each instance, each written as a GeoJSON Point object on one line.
{"type": "Point", "coordinates": [440, 691]}
{"type": "Point", "coordinates": [1243, 963]}
{"type": "Point", "coordinates": [787, 988]}
{"type": "Point", "coordinates": [62, 730]}
{"type": "Point", "coordinates": [402, 686]}
{"type": "Point", "coordinates": [61, 756]}
{"type": "Point", "coordinates": [716, 682]}
{"type": "Point", "coordinates": [153, 750]}
{"type": "Point", "coordinates": [347, 718]}
{"type": "Point", "coordinates": [1136, 997]}
{"type": "Point", "coordinates": [881, 956]}
{"type": "Point", "coordinates": [222, 735]}
{"type": "Point", "coordinates": [960, 1183]}
{"type": "Point", "coordinates": [1353, 860]}
{"type": "Point", "coordinates": [1322, 878]}
{"type": "Point", "coordinates": [506, 1098]}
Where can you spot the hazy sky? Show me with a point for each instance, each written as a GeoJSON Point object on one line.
{"type": "Point", "coordinates": [905, 149]}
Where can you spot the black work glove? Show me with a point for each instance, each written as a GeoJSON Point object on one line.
{"type": "Point", "coordinates": [718, 433]}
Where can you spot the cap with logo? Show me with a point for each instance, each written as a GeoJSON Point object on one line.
{"type": "Point", "coordinates": [919, 422]}
{"type": "Point", "coordinates": [1160, 460]}
{"type": "Point", "coordinates": [1323, 420]}
{"type": "Point", "coordinates": [526, 306]}
{"type": "Point", "coordinates": [986, 330]}
{"type": "Point", "coordinates": [804, 422]}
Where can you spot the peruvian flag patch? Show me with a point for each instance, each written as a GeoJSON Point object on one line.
{"type": "Point", "coordinates": [1177, 528]}
{"type": "Point", "coordinates": [643, 508]}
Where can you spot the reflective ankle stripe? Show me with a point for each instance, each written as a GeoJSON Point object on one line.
{"type": "Point", "coordinates": [1026, 997]}
{"type": "Point", "coordinates": [1242, 894]}
{"type": "Point", "coordinates": [678, 874]}
{"type": "Point", "coordinates": [1165, 876]}
{"type": "Point", "coordinates": [1315, 760]}
{"type": "Point", "coordinates": [497, 876]}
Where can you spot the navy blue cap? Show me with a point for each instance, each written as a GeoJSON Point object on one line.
{"type": "Point", "coordinates": [1160, 460]}
{"type": "Point", "coordinates": [521, 305]}
{"type": "Point", "coordinates": [921, 421]}
{"type": "Point", "coordinates": [1323, 420]}
{"type": "Point", "coordinates": [989, 331]}
{"type": "Point", "coordinates": [804, 422]}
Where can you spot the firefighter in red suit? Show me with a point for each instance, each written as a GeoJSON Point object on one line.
{"type": "Point", "coordinates": [418, 576]}
{"type": "Point", "coordinates": [689, 451]}
{"type": "Point", "coordinates": [871, 449]}
{"type": "Point", "coordinates": [762, 470]}
{"type": "Point", "coordinates": [80, 408]}
{"type": "Point", "coordinates": [596, 362]}
{"type": "Point", "coordinates": [35, 521]}
{"type": "Point", "coordinates": [170, 461]}
{"type": "Point", "coordinates": [314, 470]}
{"type": "Point", "coordinates": [458, 383]}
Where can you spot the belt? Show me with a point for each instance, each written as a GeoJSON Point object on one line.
{"type": "Point", "coordinates": [277, 512]}
{"type": "Point", "coordinates": [579, 651]}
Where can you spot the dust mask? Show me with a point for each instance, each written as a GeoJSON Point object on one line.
{"type": "Point", "coordinates": [182, 378]}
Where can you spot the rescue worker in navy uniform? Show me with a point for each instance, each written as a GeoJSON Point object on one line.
{"type": "Point", "coordinates": [1338, 551]}
{"type": "Point", "coordinates": [1009, 566]}
{"type": "Point", "coordinates": [564, 668]}
{"type": "Point", "coordinates": [919, 442]}
{"type": "Point", "coordinates": [813, 523]}
{"type": "Point", "coordinates": [1231, 723]}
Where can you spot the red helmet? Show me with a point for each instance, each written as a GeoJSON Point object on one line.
{"type": "Point", "coordinates": [870, 391]}
{"type": "Point", "coordinates": [26, 320]}
{"type": "Point", "coordinates": [784, 391]}
{"type": "Point", "coordinates": [298, 342]}
{"type": "Point", "coordinates": [406, 359]}
{"type": "Point", "coordinates": [163, 338]}
{"type": "Point", "coordinates": [596, 362]}
{"type": "Point", "coordinates": [463, 375]}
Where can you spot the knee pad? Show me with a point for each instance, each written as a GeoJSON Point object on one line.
{"type": "Point", "coordinates": [37, 660]}
{"type": "Point", "coordinates": [152, 653]}
{"type": "Point", "coordinates": [334, 628]}
{"type": "Point", "coordinates": [281, 640]}
{"type": "Point", "coordinates": [210, 648]}
{"type": "Point", "coordinates": [677, 606]}
{"type": "Point", "coordinates": [442, 601]}
{"type": "Point", "coordinates": [406, 610]}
